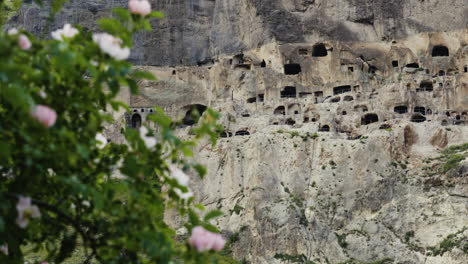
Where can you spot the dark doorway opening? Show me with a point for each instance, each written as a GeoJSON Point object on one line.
{"type": "Point", "coordinates": [289, 92]}
{"type": "Point", "coordinates": [263, 64]}
{"type": "Point", "coordinates": [292, 69]}
{"type": "Point", "coordinates": [252, 100]}
{"type": "Point", "coordinates": [261, 97]}
{"type": "Point", "coordinates": [290, 122]}
{"type": "Point", "coordinates": [348, 98]}
{"type": "Point", "coordinates": [369, 119]}
{"type": "Point", "coordinates": [136, 121]}
{"type": "Point", "coordinates": [319, 50]}
{"type": "Point", "coordinates": [440, 51]}
{"type": "Point", "coordinates": [395, 63]}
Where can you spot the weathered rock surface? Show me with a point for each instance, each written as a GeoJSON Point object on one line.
{"type": "Point", "coordinates": [197, 31]}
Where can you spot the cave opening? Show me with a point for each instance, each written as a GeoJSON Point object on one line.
{"type": "Point", "coordinates": [395, 64]}
{"type": "Point", "coordinates": [303, 51]}
{"type": "Point", "coordinates": [341, 89]}
{"type": "Point", "coordinates": [319, 50]}
{"type": "Point", "coordinates": [401, 109]}
{"type": "Point", "coordinates": [335, 99]}
{"type": "Point", "coordinates": [369, 119]}
{"type": "Point", "coordinates": [348, 98]}
{"type": "Point", "coordinates": [261, 97]}
{"type": "Point", "coordinates": [263, 64]}
{"type": "Point", "coordinates": [252, 100]}
{"type": "Point", "coordinates": [280, 110]}
{"type": "Point", "coordinates": [440, 51]}
{"type": "Point", "coordinates": [325, 128]}
{"type": "Point", "coordinates": [290, 122]}
{"type": "Point", "coordinates": [420, 109]}
{"type": "Point", "coordinates": [425, 86]}
{"type": "Point", "coordinates": [344, 113]}
{"type": "Point", "coordinates": [193, 114]}
{"type": "Point", "coordinates": [318, 94]}
{"type": "Point", "coordinates": [418, 118]}
{"type": "Point", "coordinates": [292, 69]}
{"type": "Point", "coordinates": [413, 65]}
{"type": "Point", "coordinates": [288, 92]}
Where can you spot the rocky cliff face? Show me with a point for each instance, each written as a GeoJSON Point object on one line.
{"type": "Point", "coordinates": [198, 31]}
{"type": "Point", "coordinates": [335, 113]}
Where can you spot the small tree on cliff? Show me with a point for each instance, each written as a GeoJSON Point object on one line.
{"type": "Point", "coordinates": [56, 184]}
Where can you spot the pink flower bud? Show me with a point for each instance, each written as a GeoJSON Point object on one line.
{"type": "Point", "coordinates": [139, 7]}
{"type": "Point", "coordinates": [203, 240]}
{"type": "Point", "coordinates": [24, 42]}
{"type": "Point", "coordinates": [44, 115]}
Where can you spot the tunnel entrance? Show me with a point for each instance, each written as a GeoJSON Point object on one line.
{"type": "Point", "coordinates": [401, 109]}
{"type": "Point", "coordinates": [319, 50]}
{"type": "Point", "coordinates": [292, 69]}
{"type": "Point", "coordinates": [440, 51]}
{"type": "Point", "coordinates": [369, 119]}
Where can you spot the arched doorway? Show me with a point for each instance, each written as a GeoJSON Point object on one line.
{"type": "Point", "coordinates": [136, 121]}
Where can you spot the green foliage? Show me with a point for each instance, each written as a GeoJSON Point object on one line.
{"type": "Point", "coordinates": [84, 208]}
{"type": "Point", "coordinates": [451, 241]}
{"type": "Point", "coordinates": [293, 258]}
{"type": "Point", "coordinates": [7, 9]}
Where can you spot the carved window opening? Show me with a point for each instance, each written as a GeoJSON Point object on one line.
{"type": "Point", "coordinates": [418, 118]}
{"type": "Point", "coordinates": [420, 109]}
{"type": "Point", "coordinates": [318, 94]}
{"type": "Point", "coordinates": [263, 64]}
{"type": "Point", "coordinates": [440, 51]}
{"type": "Point", "coordinates": [306, 120]}
{"type": "Point", "coordinates": [292, 69]}
{"type": "Point", "coordinates": [348, 98]}
{"type": "Point", "coordinates": [289, 92]}
{"type": "Point", "coordinates": [425, 86]}
{"type": "Point", "coordinates": [303, 52]}
{"type": "Point", "coordinates": [261, 97]}
{"type": "Point", "coordinates": [252, 100]}
{"type": "Point", "coordinates": [344, 113]}
{"type": "Point", "coordinates": [369, 119]}
{"type": "Point", "coordinates": [395, 64]}
{"type": "Point", "coordinates": [325, 128]}
{"type": "Point", "coordinates": [319, 50]}
{"type": "Point", "coordinates": [335, 100]}
{"type": "Point", "coordinates": [351, 69]}
{"type": "Point", "coordinates": [401, 109]}
{"type": "Point", "coordinates": [304, 94]}
{"type": "Point", "coordinates": [428, 112]}
{"type": "Point", "coordinates": [341, 89]}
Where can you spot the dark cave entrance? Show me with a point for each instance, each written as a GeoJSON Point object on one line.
{"type": "Point", "coordinates": [342, 89]}
{"type": "Point", "coordinates": [420, 109]}
{"type": "Point", "coordinates": [401, 109]}
{"type": "Point", "coordinates": [369, 119]}
{"type": "Point", "coordinates": [418, 118]}
{"type": "Point", "coordinates": [325, 128]}
{"type": "Point", "coordinates": [289, 92]}
{"type": "Point", "coordinates": [292, 69]}
{"type": "Point", "coordinates": [280, 110]}
{"type": "Point", "coordinates": [425, 86]}
{"type": "Point", "coordinates": [319, 50]}
{"type": "Point", "coordinates": [440, 51]}
{"type": "Point", "coordinates": [136, 121]}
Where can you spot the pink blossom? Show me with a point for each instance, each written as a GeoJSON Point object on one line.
{"type": "Point", "coordinates": [139, 7]}
{"type": "Point", "coordinates": [66, 32]}
{"type": "Point", "coordinates": [26, 211]}
{"type": "Point", "coordinates": [111, 45]}
{"type": "Point", "coordinates": [203, 240]}
{"type": "Point", "coordinates": [4, 249]}
{"type": "Point", "coordinates": [45, 115]}
{"type": "Point", "coordinates": [24, 42]}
